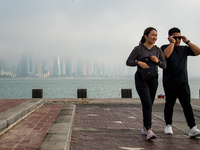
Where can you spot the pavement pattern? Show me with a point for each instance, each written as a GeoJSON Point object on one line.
{"type": "Point", "coordinates": [7, 104]}
{"type": "Point", "coordinates": [101, 127]}
{"type": "Point", "coordinates": [99, 124]}
{"type": "Point", "coordinates": [29, 133]}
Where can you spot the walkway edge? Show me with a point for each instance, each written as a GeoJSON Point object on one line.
{"type": "Point", "coordinates": [67, 146]}
{"type": "Point", "coordinates": [14, 115]}
{"type": "Point", "coordinates": [58, 137]}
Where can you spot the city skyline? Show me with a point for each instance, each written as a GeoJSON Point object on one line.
{"type": "Point", "coordinates": [96, 30]}
{"type": "Point", "coordinates": [28, 66]}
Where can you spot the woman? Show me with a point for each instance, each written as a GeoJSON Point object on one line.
{"type": "Point", "coordinates": [147, 88]}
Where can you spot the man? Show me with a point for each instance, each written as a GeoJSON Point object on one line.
{"type": "Point", "coordinates": [175, 79]}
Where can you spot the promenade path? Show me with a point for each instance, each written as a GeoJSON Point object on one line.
{"type": "Point", "coordinates": [89, 124]}
{"type": "Point", "coordinates": [7, 104]}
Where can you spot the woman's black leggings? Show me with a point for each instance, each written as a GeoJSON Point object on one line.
{"type": "Point", "coordinates": [146, 90]}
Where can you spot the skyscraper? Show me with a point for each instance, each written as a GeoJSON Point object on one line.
{"type": "Point", "coordinates": [80, 67]}
{"type": "Point", "coordinates": [2, 65]}
{"type": "Point", "coordinates": [40, 67]}
{"type": "Point", "coordinates": [63, 67]}
{"type": "Point", "coordinates": [31, 65]}
{"type": "Point", "coordinates": [69, 67]}
{"type": "Point", "coordinates": [56, 66]}
{"type": "Point", "coordinates": [27, 64]}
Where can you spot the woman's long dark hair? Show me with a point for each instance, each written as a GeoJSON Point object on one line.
{"type": "Point", "coordinates": [146, 32]}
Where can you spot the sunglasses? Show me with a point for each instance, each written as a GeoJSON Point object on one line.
{"type": "Point", "coordinates": [177, 37]}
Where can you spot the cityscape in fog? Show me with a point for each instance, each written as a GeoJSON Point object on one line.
{"type": "Point", "coordinates": [87, 37]}
{"type": "Point", "coordinates": [28, 66]}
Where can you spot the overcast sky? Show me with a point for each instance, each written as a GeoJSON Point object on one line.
{"type": "Point", "coordinates": [104, 30]}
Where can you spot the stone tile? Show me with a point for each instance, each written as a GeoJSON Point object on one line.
{"type": "Point", "coordinates": [119, 128]}
{"type": "Point", "coordinates": [7, 104]}
{"type": "Point", "coordinates": [29, 133]}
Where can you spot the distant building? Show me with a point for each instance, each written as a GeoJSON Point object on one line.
{"type": "Point", "coordinates": [68, 67]}
{"type": "Point", "coordinates": [2, 65]}
{"type": "Point", "coordinates": [96, 70]}
{"type": "Point", "coordinates": [63, 67]}
{"type": "Point", "coordinates": [10, 74]}
{"type": "Point", "coordinates": [27, 65]}
{"type": "Point", "coordinates": [80, 67]}
{"type": "Point", "coordinates": [88, 68]}
{"type": "Point", "coordinates": [31, 64]}
{"type": "Point", "coordinates": [57, 66]}
{"type": "Point", "coordinates": [129, 71]}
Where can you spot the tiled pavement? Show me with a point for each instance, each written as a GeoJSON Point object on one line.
{"type": "Point", "coordinates": [119, 128]}
{"type": "Point", "coordinates": [109, 125]}
{"type": "Point", "coordinates": [7, 104]}
{"type": "Point", "coordinates": [29, 133]}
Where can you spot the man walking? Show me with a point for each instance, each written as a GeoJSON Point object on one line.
{"type": "Point", "coordinates": [175, 79]}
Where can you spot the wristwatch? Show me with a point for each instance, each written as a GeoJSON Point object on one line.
{"type": "Point", "coordinates": [172, 42]}
{"type": "Point", "coordinates": [187, 41]}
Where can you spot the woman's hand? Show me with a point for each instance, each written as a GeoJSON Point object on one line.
{"type": "Point", "coordinates": [154, 59]}
{"type": "Point", "coordinates": [143, 64]}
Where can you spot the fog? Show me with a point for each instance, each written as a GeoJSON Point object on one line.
{"type": "Point", "coordinates": [104, 31]}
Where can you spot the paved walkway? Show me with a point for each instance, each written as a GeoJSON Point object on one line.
{"type": "Point", "coordinates": [101, 127]}
{"type": "Point", "coordinates": [7, 104]}
{"type": "Point", "coordinates": [30, 125]}
{"type": "Point", "coordinates": [29, 133]}
{"type": "Point", "coordinates": [99, 124]}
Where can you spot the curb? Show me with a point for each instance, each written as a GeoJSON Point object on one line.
{"type": "Point", "coordinates": [59, 135]}
{"type": "Point", "coordinates": [67, 146]}
{"type": "Point", "coordinates": [10, 117]}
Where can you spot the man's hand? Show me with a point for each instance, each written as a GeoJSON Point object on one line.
{"type": "Point", "coordinates": [193, 47]}
{"type": "Point", "coordinates": [184, 39]}
{"type": "Point", "coordinates": [171, 39]}
{"type": "Point", "coordinates": [143, 64]}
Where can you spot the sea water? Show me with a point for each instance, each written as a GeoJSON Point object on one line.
{"type": "Point", "coordinates": [17, 88]}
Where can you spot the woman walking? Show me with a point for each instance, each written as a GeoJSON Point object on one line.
{"type": "Point", "coordinates": [147, 56]}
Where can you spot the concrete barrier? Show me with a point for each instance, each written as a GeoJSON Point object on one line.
{"type": "Point", "coordinates": [81, 93]}
{"type": "Point", "coordinates": [37, 93]}
{"type": "Point", "coordinates": [126, 93]}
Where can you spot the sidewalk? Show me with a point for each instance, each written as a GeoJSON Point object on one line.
{"type": "Point", "coordinates": [103, 124]}
{"type": "Point", "coordinates": [30, 125]}
{"type": "Point", "coordinates": [108, 127]}
{"type": "Point", "coordinates": [30, 132]}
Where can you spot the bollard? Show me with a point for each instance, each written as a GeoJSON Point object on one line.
{"type": "Point", "coordinates": [37, 93]}
{"type": "Point", "coordinates": [82, 93]}
{"type": "Point", "coordinates": [126, 93]}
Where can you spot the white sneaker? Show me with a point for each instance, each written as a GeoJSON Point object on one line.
{"type": "Point", "coordinates": [168, 130]}
{"type": "Point", "coordinates": [194, 132]}
{"type": "Point", "coordinates": [144, 130]}
{"type": "Point", "coordinates": [150, 134]}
